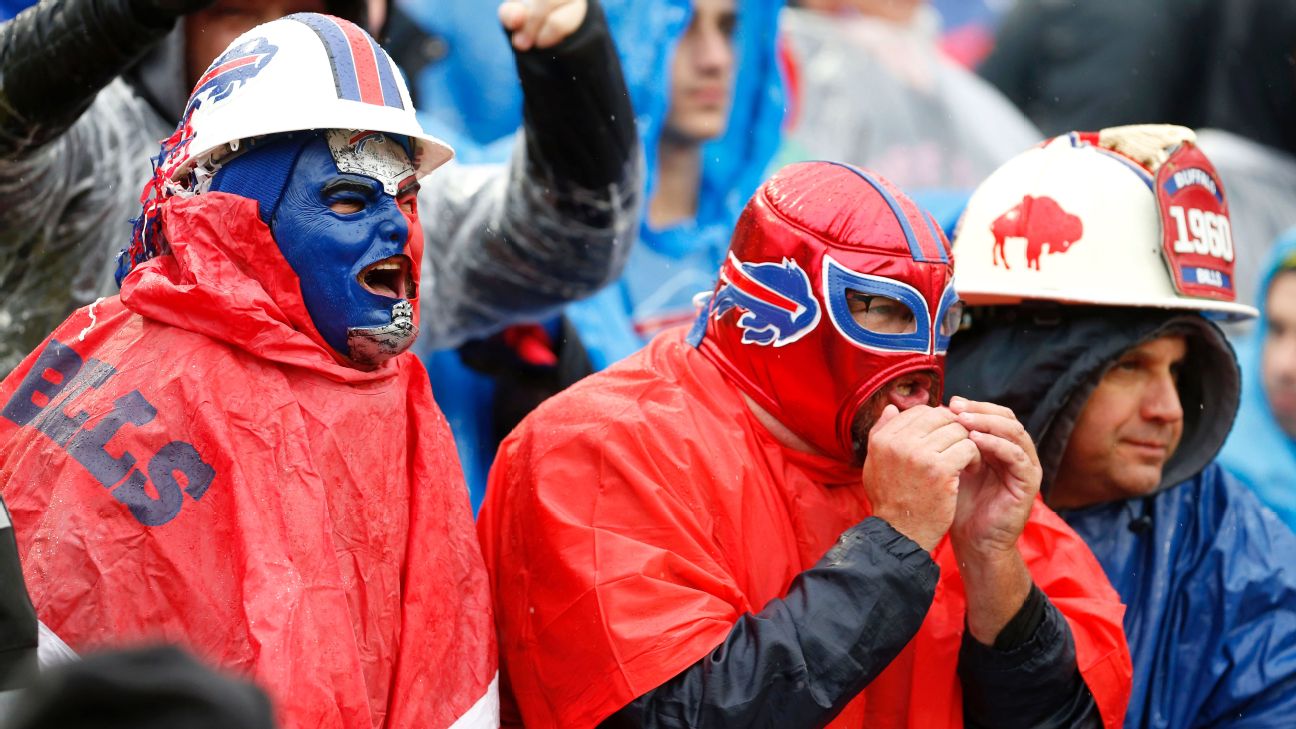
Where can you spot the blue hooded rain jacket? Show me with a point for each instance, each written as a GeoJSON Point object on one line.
{"type": "Point", "coordinates": [1207, 573]}
{"type": "Point", "coordinates": [1259, 452]}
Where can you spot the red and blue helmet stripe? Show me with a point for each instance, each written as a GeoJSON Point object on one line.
{"type": "Point", "coordinates": [361, 70]}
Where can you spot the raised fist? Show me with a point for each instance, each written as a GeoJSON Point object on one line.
{"type": "Point", "coordinates": [541, 23]}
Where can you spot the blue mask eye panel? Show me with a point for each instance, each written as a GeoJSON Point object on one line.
{"type": "Point", "coordinates": [839, 280]}
{"type": "Point", "coordinates": [948, 317]}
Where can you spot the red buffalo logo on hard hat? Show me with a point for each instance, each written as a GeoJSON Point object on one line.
{"type": "Point", "coordinates": [1042, 222]}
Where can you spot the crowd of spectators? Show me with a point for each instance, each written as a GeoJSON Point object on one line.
{"type": "Point", "coordinates": [647, 363]}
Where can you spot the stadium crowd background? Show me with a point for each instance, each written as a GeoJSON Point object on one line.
{"type": "Point", "coordinates": [934, 96]}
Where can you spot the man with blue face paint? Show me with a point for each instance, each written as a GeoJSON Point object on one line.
{"type": "Point", "coordinates": [236, 454]}
{"type": "Point", "coordinates": [89, 86]}
{"type": "Point", "coordinates": [340, 205]}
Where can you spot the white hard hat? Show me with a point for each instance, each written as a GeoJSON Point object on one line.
{"type": "Point", "coordinates": [1130, 216]}
{"type": "Point", "coordinates": [304, 71]}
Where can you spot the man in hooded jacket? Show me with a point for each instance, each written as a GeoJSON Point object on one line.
{"type": "Point", "coordinates": [1097, 339]}
{"type": "Point", "coordinates": [237, 454]}
{"type": "Point", "coordinates": [88, 87]}
{"type": "Point", "coordinates": [687, 538]}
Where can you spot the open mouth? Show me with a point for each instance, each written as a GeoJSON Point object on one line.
{"type": "Point", "coordinates": [910, 390]}
{"type": "Point", "coordinates": [391, 277]}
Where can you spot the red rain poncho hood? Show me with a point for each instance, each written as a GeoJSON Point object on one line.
{"type": "Point", "coordinates": [189, 463]}
{"type": "Point", "coordinates": [633, 520]}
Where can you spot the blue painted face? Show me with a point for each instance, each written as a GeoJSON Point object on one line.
{"type": "Point", "coordinates": [348, 239]}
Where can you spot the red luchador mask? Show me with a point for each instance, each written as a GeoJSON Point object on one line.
{"type": "Point", "coordinates": [835, 284]}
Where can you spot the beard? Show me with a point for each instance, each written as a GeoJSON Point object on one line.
{"type": "Point", "coordinates": [867, 416]}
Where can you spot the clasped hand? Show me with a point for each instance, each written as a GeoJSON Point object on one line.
{"type": "Point", "coordinates": [969, 470]}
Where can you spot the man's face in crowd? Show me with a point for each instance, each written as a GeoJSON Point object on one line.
{"type": "Point", "coordinates": [702, 72]}
{"type": "Point", "coordinates": [209, 31]}
{"type": "Point", "coordinates": [1278, 360]}
{"type": "Point", "coordinates": [887, 316]}
{"type": "Point", "coordinates": [1127, 430]}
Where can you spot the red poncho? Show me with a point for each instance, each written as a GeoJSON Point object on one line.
{"type": "Point", "coordinates": [630, 521]}
{"type": "Point", "coordinates": [183, 464]}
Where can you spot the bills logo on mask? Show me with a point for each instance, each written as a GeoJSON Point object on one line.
{"type": "Point", "coordinates": [779, 305]}
{"type": "Point", "coordinates": [372, 154]}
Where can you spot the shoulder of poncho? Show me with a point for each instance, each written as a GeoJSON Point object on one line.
{"type": "Point", "coordinates": [1229, 511]}
{"type": "Point", "coordinates": [636, 406]}
{"type": "Point", "coordinates": [1239, 550]}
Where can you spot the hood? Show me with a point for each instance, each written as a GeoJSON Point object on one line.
{"type": "Point", "coordinates": [1259, 451]}
{"type": "Point", "coordinates": [1255, 416]}
{"type": "Point", "coordinates": [733, 165]}
{"type": "Point", "coordinates": [1281, 256]}
{"type": "Point", "coordinates": [225, 278]}
{"type": "Point", "coordinates": [1043, 362]}
{"type": "Point", "coordinates": [646, 34]}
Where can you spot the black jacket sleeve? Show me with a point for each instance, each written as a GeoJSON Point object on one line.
{"type": "Point", "coordinates": [1029, 677]}
{"type": "Point", "coordinates": [801, 659]}
{"type": "Point", "coordinates": [18, 630]}
{"type": "Point", "coordinates": [576, 110]}
{"type": "Point", "coordinates": [56, 56]}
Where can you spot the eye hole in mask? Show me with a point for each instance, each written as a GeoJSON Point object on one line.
{"type": "Point", "coordinates": [880, 314]}
{"type": "Point", "coordinates": [875, 312]}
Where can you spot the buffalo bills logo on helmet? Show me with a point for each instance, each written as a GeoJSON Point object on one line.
{"type": "Point", "coordinates": [776, 300]}
{"type": "Point", "coordinates": [231, 70]}
{"type": "Point", "coordinates": [1043, 223]}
